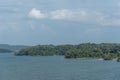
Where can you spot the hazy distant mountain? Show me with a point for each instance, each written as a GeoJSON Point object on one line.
{"type": "Point", "coordinates": [12, 47]}
{"type": "Point", "coordinates": [5, 51]}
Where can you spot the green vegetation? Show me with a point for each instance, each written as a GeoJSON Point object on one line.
{"type": "Point", "coordinates": [44, 50]}
{"type": "Point", "coordinates": [109, 57]}
{"type": "Point", "coordinates": [118, 59]}
{"type": "Point", "coordinates": [107, 51]}
{"type": "Point", "coordinates": [5, 51]}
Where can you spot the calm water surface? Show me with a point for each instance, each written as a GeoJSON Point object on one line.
{"type": "Point", "coordinates": [56, 68]}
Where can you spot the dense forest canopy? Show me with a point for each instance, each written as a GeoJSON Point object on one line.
{"type": "Point", "coordinates": [85, 50]}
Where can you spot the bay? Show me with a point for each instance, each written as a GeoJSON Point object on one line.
{"type": "Point", "coordinates": [56, 68]}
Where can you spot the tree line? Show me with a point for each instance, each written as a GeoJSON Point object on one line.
{"type": "Point", "coordinates": [85, 50]}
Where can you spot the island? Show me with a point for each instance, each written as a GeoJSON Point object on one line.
{"type": "Point", "coordinates": [106, 51]}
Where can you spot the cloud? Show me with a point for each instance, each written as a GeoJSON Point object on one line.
{"type": "Point", "coordinates": [80, 16]}
{"type": "Point", "coordinates": [36, 14]}
{"type": "Point", "coordinates": [61, 14]}
{"type": "Point", "coordinates": [68, 15]}
{"type": "Point", "coordinates": [86, 17]}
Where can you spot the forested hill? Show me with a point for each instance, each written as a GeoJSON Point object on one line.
{"type": "Point", "coordinates": [86, 50]}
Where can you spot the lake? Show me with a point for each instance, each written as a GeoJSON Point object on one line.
{"type": "Point", "coordinates": [56, 68]}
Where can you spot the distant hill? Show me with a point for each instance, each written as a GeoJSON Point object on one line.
{"type": "Point", "coordinates": [5, 51]}
{"type": "Point", "coordinates": [12, 47]}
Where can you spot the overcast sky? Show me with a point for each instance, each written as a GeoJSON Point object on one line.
{"type": "Point", "coordinates": [32, 22]}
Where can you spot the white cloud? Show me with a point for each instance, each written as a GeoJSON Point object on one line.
{"type": "Point", "coordinates": [68, 15]}
{"type": "Point", "coordinates": [36, 14]}
{"type": "Point", "coordinates": [61, 14]}
{"type": "Point", "coordinates": [81, 16]}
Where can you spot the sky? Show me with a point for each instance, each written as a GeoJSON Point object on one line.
{"type": "Point", "coordinates": [33, 22]}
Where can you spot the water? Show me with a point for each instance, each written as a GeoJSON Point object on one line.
{"type": "Point", "coordinates": [56, 68]}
